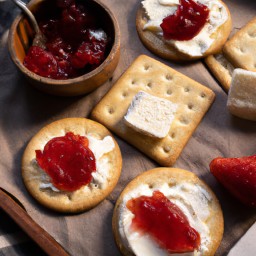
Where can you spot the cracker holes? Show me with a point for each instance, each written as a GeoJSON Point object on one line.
{"type": "Point", "coordinates": [169, 92]}
{"type": "Point", "coordinates": [166, 149]}
{"type": "Point", "coordinates": [184, 121]}
{"type": "Point", "coordinates": [124, 94]}
{"type": "Point", "coordinates": [133, 82]}
{"type": "Point", "coordinates": [168, 77]}
{"type": "Point", "coordinates": [173, 135]}
{"type": "Point", "coordinates": [151, 186]}
{"type": "Point", "coordinates": [171, 184]}
{"type": "Point", "coordinates": [95, 185]}
{"type": "Point", "coordinates": [69, 197]}
{"type": "Point", "coordinates": [147, 67]}
{"type": "Point", "coordinates": [190, 106]}
{"type": "Point", "coordinates": [150, 85]}
{"type": "Point", "coordinates": [111, 111]}
{"type": "Point", "coordinates": [202, 95]}
{"type": "Point", "coordinates": [186, 89]}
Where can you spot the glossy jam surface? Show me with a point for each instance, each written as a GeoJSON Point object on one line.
{"type": "Point", "coordinates": [68, 161]}
{"type": "Point", "coordinates": [76, 43]}
{"type": "Point", "coordinates": [186, 22]}
{"type": "Point", "coordinates": [164, 222]}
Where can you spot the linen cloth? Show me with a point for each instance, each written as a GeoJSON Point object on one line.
{"type": "Point", "coordinates": [24, 111]}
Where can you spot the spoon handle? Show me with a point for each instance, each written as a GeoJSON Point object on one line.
{"type": "Point", "coordinates": [31, 16]}
{"type": "Point", "coordinates": [38, 234]}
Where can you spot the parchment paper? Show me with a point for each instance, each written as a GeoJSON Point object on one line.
{"type": "Point", "coordinates": [24, 111]}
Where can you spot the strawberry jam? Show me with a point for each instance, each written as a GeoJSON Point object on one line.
{"type": "Point", "coordinates": [186, 22]}
{"type": "Point", "coordinates": [68, 161]}
{"type": "Point", "coordinates": [76, 44]}
{"type": "Point", "coordinates": [164, 222]}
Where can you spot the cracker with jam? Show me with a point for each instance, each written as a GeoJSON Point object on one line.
{"type": "Point", "coordinates": [183, 30]}
{"type": "Point", "coordinates": [165, 211]}
{"type": "Point", "coordinates": [71, 165]}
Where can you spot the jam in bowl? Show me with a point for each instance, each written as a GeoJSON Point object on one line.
{"type": "Point", "coordinates": [81, 50]}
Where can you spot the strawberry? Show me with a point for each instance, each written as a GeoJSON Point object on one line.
{"type": "Point", "coordinates": [238, 176]}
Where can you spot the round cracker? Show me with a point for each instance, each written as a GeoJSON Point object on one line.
{"type": "Point", "coordinates": [83, 198]}
{"type": "Point", "coordinates": [156, 45]}
{"type": "Point", "coordinates": [172, 176]}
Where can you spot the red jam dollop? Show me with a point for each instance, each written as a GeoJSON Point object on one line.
{"type": "Point", "coordinates": [186, 22]}
{"type": "Point", "coordinates": [68, 161]}
{"type": "Point", "coordinates": [164, 222]}
{"type": "Point", "coordinates": [75, 44]}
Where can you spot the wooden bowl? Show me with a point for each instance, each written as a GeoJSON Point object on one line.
{"type": "Point", "coordinates": [20, 38]}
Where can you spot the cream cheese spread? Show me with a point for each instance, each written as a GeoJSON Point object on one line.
{"type": "Point", "coordinates": [192, 199]}
{"type": "Point", "coordinates": [157, 10]}
{"type": "Point", "coordinates": [100, 176]}
{"type": "Point", "coordinates": [150, 115]}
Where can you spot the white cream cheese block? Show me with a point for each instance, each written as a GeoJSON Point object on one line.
{"type": "Point", "coordinates": [242, 94]}
{"type": "Point", "coordinates": [150, 115]}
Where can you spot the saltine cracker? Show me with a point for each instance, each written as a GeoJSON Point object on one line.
{"type": "Point", "coordinates": [149, 75]}
{"type": "Point", "coordinates": [240, 50]}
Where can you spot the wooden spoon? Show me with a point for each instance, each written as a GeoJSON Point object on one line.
{"type": "Point", "coordinates": [18, 213]}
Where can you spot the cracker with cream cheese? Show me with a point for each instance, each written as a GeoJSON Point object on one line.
{"type": "Point", "coordinates": [240, 50]}
{"type": "Point", "coordinates": [38, 182]}
{"type": "Point", "coordinates": [188, 192]}
{"type": "Point", "coordinates": [200, 46]}
{"type": "Point", "coordinates": [153, 77]}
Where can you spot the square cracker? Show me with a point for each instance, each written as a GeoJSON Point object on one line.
{"type": "Point", "coordinates": [152, 76]}
{"type": "Point", "coordinates": [221, 68]}
{"type": "Point", "coordinates": [240, 50]}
